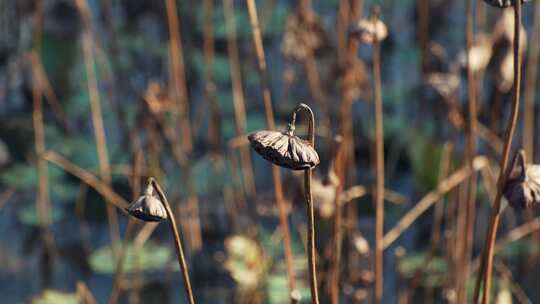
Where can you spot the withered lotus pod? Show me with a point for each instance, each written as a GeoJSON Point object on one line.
{"type": "Point", "coordinates": [522, 187]}
{"type": "Point", "coordinates": [148, 208]}
{"type": "Point", "coordinates": [368, 31]}
{"type": "Point", "coordinates": [284, 148]}
{"type": "Point", "coordinates": [503, 3]}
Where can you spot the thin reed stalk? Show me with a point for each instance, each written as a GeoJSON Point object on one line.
{"type": "Point", "coordinates": [178, 74]}
{"type": "Point", "coordinates": [238, 96]}
{"type": "Point", "coordinates": [177, 240]}
{"type": "Point", "coordinates": [214, 128]}
{"type": "Point", "coordinates": [529, 94]}
{"type": "Point", "coordinates": [446, 159]}
{"type": "Point", "coordinates": [42, 198]}
{"type": "Point", "coordinates": [276, 177]}
{"type": "Point", "coordinates": [466, 254]}
{"type": "Point", "coordinates": [379, 165]}
{"type": "Point", "coordinates": [97, 119]}
{"type": "Point", "coordinates": [449, 183]}
{"type": "Point", "coordinates": [487, 260]}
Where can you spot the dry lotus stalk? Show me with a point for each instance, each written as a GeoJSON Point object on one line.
{"type": "Point", "coordinates": [522, 186]}
{"type": "Point", "coordinates": [303, 35]}
{"type": "Point", "coordinates": [148, 208]}
{"type": "Point", "coordinates": [503, 3]}
{"type": "Point", "coordinates": [284, 148]}
{"type": "Point", "coordinates": [368, 30]}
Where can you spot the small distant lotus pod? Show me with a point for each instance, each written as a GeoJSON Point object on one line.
{"type": "Point", "coordinates": [503, 3]}
{"type": "Point", "coordinates": [304, 34]}
{"type": "Point", "coordinates": [284, 149]}
{"type": "Point", "coordinates": [368, 31]}
{"type": "Point", "coordinates": [148, 208]}
{"type": "Point", "coordinates": [522, 187]}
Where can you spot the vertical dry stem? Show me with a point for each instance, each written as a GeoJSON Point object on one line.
{"type": "Point", "coordinates": [530, 87]}
{"type": "Point", "coordinates": [177, 240]}
{"type": "Point", "coordinates": [97, 119]}
{"type": "Point", "coordinates": [487, 259]}
{"type": "Point", "coordinates": [238, 95]}
{"type": "Point", "coordinates": [471, 151]}
{"type": "Point", "coordinates": [276, 177]}
{"type": "Point", "coordinates": [379, 164]}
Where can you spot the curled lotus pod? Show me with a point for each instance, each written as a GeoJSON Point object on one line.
{"type": "Point", "coordinates": [353, 79]}
{"type": "Point", "coordinates": [284, 149]}
{"type": "Point", "coordinates": [368, 31]}
{"type": "Point", "coordinates": [522, 187]}
{"type": "Point", "coordinates": [304, 34]}
{"type": "Point", "coordinates": [148, 208]}
{"type": "Point", "coordinates": [503, 3]}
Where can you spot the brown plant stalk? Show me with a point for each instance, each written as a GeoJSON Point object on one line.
{"type": "Point", "coordinates": [97, 119]}
{"type": "Point", "coordinates": [238, 95]}
{"type": "Point", "coordinates": [447, 184]}
{"type": "Point", "coordinates": [42, 200]}
{"type": "Point", "coordinates": [487, 260]}
{"type": "Point", "coordinates": [465, 255]}
{"type": "Point", "coordinates": [276, 177]}
{"type": "Point", "coordinates": [379, 166]}
{"type": "Point", "coordinates": [181, 100]}
{"type": "Point", "coordinates": [529, 91]}
{"type": "Point", "coordinates": [312, 250]}
{"type": "Point", "coordinates": [177, 240]}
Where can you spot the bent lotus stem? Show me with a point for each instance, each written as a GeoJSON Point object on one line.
{"type": "Point", "coordinates": [309, 202]}
{"type": "Point", "coordinates": [178, 243]}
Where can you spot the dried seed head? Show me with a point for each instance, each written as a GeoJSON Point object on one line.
{"type": "Point", "coordinates": [368, 30]}
{"type": "Point", "coordinates": [353, 79]}
{"type": "Point", "coordinates": [304, 34]}
{"type": "Point", "coordinates": [522, 187]}
{"type": "Point", "coordinates": [503, 3]}
{"type": "Point", "coordinates": [284, 149]}
{"type": "Point", "coordinates": [479, 54]}
{"type": "Point", "coordinates": [148, 208]}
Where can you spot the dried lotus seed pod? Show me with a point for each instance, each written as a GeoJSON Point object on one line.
{"type": "Point", "coordinates": [284, 149]}
{"type": "Point", "coordinates": [148, 208]}
{"type": "Point", "coordinates": [503, 3]}
{"type": "Point", "coordinates": [522, 187]}
{"type": "Point", "coordinates": [369, 31]}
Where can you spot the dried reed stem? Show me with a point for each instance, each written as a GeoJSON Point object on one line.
{"type": "Point", "coordinates": [97, 119]}
{"type": "Point", "coordinates": [379, 166]}
{"type": "Point", "coordinates": [214, 132]}
{"type": "Point", "coordinates": [177, 240]}
{"type": "Point", "coordinates": [529, 94]}
{"type": "Point", "coordinates": [276, 177]}
{"type": "Point", "coordinates": [471, 152]}
{"type": "Point", "coordinates": [238, 96]}
{"type": "Point", "coordinates": [178, 75]}
{"type": "Point", "coordinates": [487, 260]}
{"type": "Point", "coordinates": [110, 196]}
{"type": "Point", "coordinates": [431, 198]}
{"type": "Point", "coordinates": [446, 160]}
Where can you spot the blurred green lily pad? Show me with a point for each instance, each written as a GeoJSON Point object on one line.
{"type": "Point", "coordinates": [51, 296]}
{"type": "Point", "coordinates": [29, 215]}
{"type": "Point", "coordinates": [151, 257]}
{"type": "Point", "coordinates": [434, 273]}
{"type": "Point", "coordinates": [277, 287]}
{"type": "Point", "coordinates": [246, 261]}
